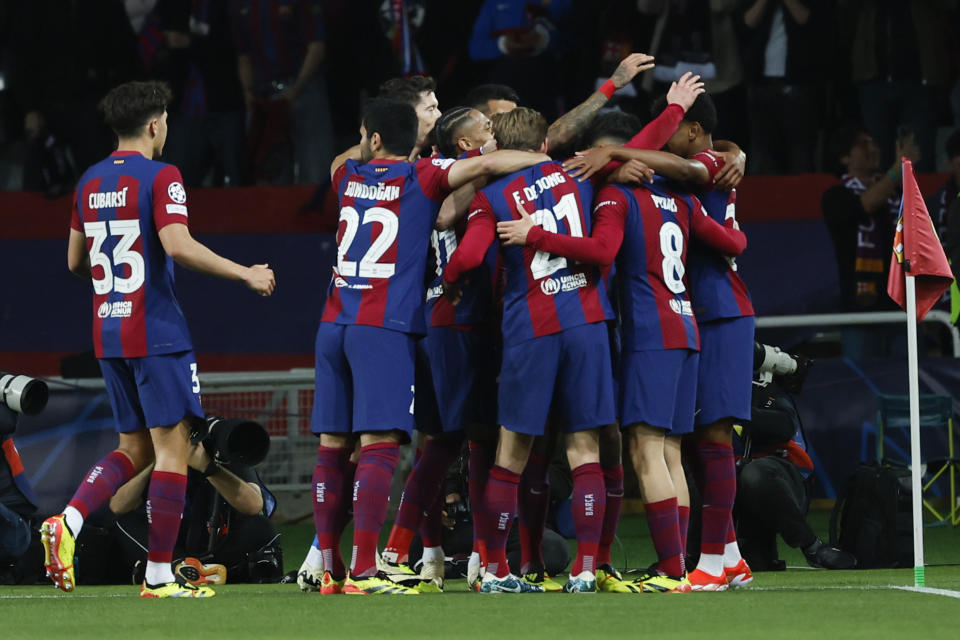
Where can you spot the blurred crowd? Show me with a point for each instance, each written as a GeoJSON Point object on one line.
{"type": "Point", "coordinates": [267, 91]}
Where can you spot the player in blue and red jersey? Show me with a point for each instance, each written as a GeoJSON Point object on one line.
{"type": "Point", "coordinates": [554, 338]}
{"type": "Point", "coordinates": [129, 225]}
{"type": "Point", "coordinates": [373, 313]}
{"type": "Point", "coordinates": [647, 229]}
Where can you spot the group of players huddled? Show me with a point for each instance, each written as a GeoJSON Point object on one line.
{"type": "Point", "coordinates": [610, 305]}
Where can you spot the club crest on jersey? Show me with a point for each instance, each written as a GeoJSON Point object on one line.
{"type": "Point", "coordinates": [177, 193]}
{"type": "Point", "coordinates": [666, 204]}
{"type": "Point", "coordinates": [118, 309]}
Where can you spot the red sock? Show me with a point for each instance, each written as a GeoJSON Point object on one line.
{"type": "Point", "coordinates": [101, 482]}
{"type": "Point", "coordinates": [499, 506]}
{"type": "Point", "coordinates": [684, 517]}
{"type": "Point", "coordinates": [329, 500]}
{"type": "Point", "coordinates": [533, 500]}
{"type": "Point", "coordinates": [371, 496]}
{"type": "Point", "coordinates": [165, 500]}
{"type": "Point", "coordinates": [431, 526]}
{"type": "Point", "coordinates": [481, 459]}
{"type": "Point", "coordinates": [420, 493]}
{"type": "Point", "coordinates": [613, 483]}
{"type": "Point", "coordinates": [589, 502]}
{"type": "Point", "coordinates": [665, 531]}
{"type": "Point", "coordinates": [719, 491]}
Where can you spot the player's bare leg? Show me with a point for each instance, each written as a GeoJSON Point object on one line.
{"type": "Point", "coordinates": [589, 502]}
{"type": "Point", "coordinates": [660, 502]}
{"type": "Point", "coordinates": [718, 546]}
{"type": "Point", "coordinates": [59, 533]}
{"type": "Point", "coordinates": [165, 502]}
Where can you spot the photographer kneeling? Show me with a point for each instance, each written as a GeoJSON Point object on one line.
{"type": "Point", "coordinates": [225, 522]}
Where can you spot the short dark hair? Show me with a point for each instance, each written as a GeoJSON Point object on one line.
{"type": "Point", "coordinates": [407, 90]}
{"type": "Point", "coordinates": [395, 121]}
{"type": "Point", "coordinates": [843, 139]}
{"type": "Point", "coordinates": [702, 111]}
{"type": "Point", "coordinates": [446, 130]}
{"type": "Point", "coordinates": [618, 125]}
{"type": "Point", "coordinates": [522, 129]}
{"type": "Point", "coordinates": [128, 107]}
{"type": "Point", "coordinates": [953, 145]}
{"type": "Point", "coordinates": [480, 95]}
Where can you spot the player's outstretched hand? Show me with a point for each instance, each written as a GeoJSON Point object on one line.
{"type": "Point", "coordinates": [632, 171]}
{"type": "Point", "coordinates": [260, 278]}
{"type": "Point", "coordinates": [513, 233]}
{"type": "Point", "coordinates": [684, 91]}
{"type": "Point", "coordinates": [629, 67]}
{"type": "Point", "coordinates": [586, 163]}
{"type": "Point", "coordinates": [735, 164]}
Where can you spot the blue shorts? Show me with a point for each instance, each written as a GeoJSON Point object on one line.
{"type": "Point", "coordinates": [569, 370]}
{"type": "Point", "coordinates": [464, 365]}
{"type": "Point", "coordinates": [426, 414]}
{"type": "Point", "coordinates": [152, 391]}
{"type": "Point", "coordinates": [725, 381]}
{"type": "Point", "coordinates": [364, 380]}
{"type": "Point", "coordinates": [658, 388]}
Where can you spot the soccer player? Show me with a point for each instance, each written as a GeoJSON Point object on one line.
{"type": "Point", "coordinates": [646, 228]}
{"type": "Point", "coordinates": [129, 224]}
{"type": "Point", "coordinates": [555, 346]}
{"type": "Point", "coordinates": [491, 99]}
{"type": "Point", "coordinates": [365, 347]}
{"type": "Point", "coordinates": [420, 93]}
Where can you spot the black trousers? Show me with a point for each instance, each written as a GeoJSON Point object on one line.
{"type": "Point", "coordinates": [772, 500]}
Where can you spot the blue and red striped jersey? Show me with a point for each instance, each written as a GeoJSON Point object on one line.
{"type": "Point", "coordinates": [654, 304]}
{"type": "Point", "coordinates": [120, 204]}
{"type": "Point", "coordinates": [716, 288]}
{"type": "Point", "coordinates": [544, 294]}
{"type": "Point", "coordinates": [387, 211]}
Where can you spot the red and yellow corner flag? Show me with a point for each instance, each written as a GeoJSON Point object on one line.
{"type": "Point", "coordinates": [917, 251]}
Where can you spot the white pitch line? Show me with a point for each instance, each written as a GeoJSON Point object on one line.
{"type": "Point", "coordinates": [63, 596]}
{"type": "Point", "coordinates": [937, 592]}
{"type": "Point", "coordinates": [866, 587]}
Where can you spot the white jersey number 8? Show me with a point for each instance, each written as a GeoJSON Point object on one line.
{"type": "Point", "coordinates": [129, 231]}
{"type": "Point", "coordinates": [671, 246]}
{"type": "Point", "coordinates": [369, 267]}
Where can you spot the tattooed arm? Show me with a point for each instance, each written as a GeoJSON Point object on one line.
{"type": "Point", "coordinates": [569, 125]}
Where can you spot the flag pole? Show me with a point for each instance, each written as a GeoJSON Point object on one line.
{"type": "Point", "coordinates": [919, 577]}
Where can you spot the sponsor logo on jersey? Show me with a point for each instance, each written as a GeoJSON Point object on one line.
{"type": "Point", "coordinates": [603, 204]}
{"type": "Point", "coordinates": [339, 282]}
{"type": "Point", "coordinates": [682, 307]}
{"type": "Point", "coordinates": [552, 286]}
{"type": "Point", "coordinates": [434, 292]}
{"type": "Point", "coordinates": [443, 163]}
{"type": "Point", "coordinates": [109, 199]}
{"type": "Point", "coordinates": [377, 191]}
{"type": "Point", "coordinates": [666, 204]}
{"type": "Point", "coordinates": [545, 183]}
{"type": "Point", "coordinates": [118, 309]}
{"type": "Point", "coordinates": [177, 193]}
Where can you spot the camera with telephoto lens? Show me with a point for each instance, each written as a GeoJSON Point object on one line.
{"type": "Point", "coordinates": [23, 394]}
{"type": "Point", "coordinates": [789, 370]}
{"type": "Point", "coordinates": [232, 440]}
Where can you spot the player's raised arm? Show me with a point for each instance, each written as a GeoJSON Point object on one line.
{"type": "Point", "coordinates": [728, 240]}
{"type": "Point", "coordinates": [480, 234]}
{"type": "Point", "coordinates": [353, 153]}
{"type": "Point", "coordinates": [665, 164]}
{"type": "Point", "coordinates": [456, 205]}
{"type": "Point", "coordinates": [599, 248]}
{"type": "Point", "coordinates": [570, 124]}
{"type": "Point", "coordinates": [499, 162]}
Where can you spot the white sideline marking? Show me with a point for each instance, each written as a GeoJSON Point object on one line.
{"type": "Point", "coordinates": [937, 592]}
{"type": "Point", "coordinates": [26, 596]}
{"type": "Point", "coordinates": [865, 587]}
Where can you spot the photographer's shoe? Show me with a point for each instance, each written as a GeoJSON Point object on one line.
{"type": "Point", "coordinates": [540, 579]}
{"type": "Point", "coordinates": [738, 575]}
{"type": "Point", "coordinates": [822, 556]}
{"type": "Point", "coordinates": [309, 577]}
{"type": "Point", "coordinates": [700, 580]}
{"type": "Point", "coordinates": [584, 582]}
{"type": "Point", "coordinates": [195, 572]}
{"type": "Point", "coordinates": [609, 580]}
{"type": "Point", "coordinates": [58, 547]}
{"type": "Point", "coordinates": [175, 590]}
{"type": "Point", "coordinates": [432, 572]}
{"type": "Point", "coordinates": [329, 585]}
{"type": "Point", "coordinates": [376, 585]}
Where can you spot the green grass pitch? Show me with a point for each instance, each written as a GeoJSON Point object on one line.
{"type": "Point", "coordinates": [797, 603]}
